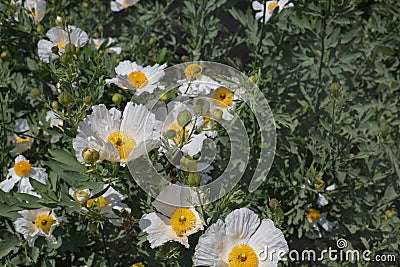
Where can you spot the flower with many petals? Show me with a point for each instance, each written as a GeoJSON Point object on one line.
{"type": "Point", "coordinates": [37, 9]}
{"type": "Point", "coordinates": [131, 76]}
{"type": "Point", "coordinates": [60, 37]}
{"type": "Point", "coordinates": [119, 5]}
{"type": "Point", "coordinates": [270, 7]}
{"type": "Point", "coordinates": [176, 218]}
{"type": "Point", "coordinates": [240, 241]}
{"type": "Point", "coordinates": [35, 223]}
{"type": "Point", "coordinates": [117, 138]}
{"type": "Point", "coordinates": [20, 173]}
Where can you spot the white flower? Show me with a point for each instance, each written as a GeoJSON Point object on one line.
{"type": "Point", "coordinates": [239, 242]}
{"type": "Point", "coordinates": [110, 49]}
{"type": "Point", "coordinates": [104, 204]}
{"type": "Point", "coordinates": [314, 217]}
{"type": "Point", "coordinates": [200, 86]}
{"type": "Point", "coordinates": [176, 218]}
{"type": "Point", "coordinates": [54, 122]}
{"type": "Point", "coordinates": [37, 9]}
{"type": "Point", "coordinates": [322, 200]}
{"type": "Point", "coordinates": [60, 37]}
{"type": "Point", "coordinates": [119, 5]}
{"type": "Point", "coordinates": [118, 139]}
{"type": "Point", "coordinates": [131, 76]}
{"type": "Point", "coordinates": [271, 5]}
{"type": "Point", "coordinates": [23, 142]}
{"type": "Point", "coordinates": [20, 173]}
{"type": "Point", "coordinates": [35, 223]}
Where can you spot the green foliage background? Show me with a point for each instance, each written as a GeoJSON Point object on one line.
{"type": "Point", "coordinates": [329, 69]}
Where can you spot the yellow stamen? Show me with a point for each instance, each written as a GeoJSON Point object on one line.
{"type": "Point", "coordinates": [22, 139]}
{"type": "Point", "coordinates": [272, 6]}
{"type": "Point", "coordinates": [242, 256]}
{"type": "Point", "coordinates": [193, 71]}
{"type": "Point", "coordinates": [179, 133]}
{"type": "Point", "coordinates": [124, 4]}
{"type": "Point", "coordinates": [44, 222]}
{"type": "Point", "coordinates": [123, 143]}
{"type": "Point", "coordinates": [313, 215]}
{"type": "Point", "coordinates": [22, 168]}
{"type": "Point", "coordinates": [223, 95]}
{"type": "Point", "coordinates": [319, 183]}
{"type": "Point", "coordinates": [138, 79]}
{"type": "Point", "coordinates": [182, 220]}
{"type": "Point", "coordinates": [96, 202]}
{"type": "Point", "coordinates": [61, 44]}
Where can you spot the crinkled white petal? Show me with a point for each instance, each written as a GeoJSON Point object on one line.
{"type": "Point", "coordinates": [40, 9]}
{"type": "Point", "coordinates": [327, 225]}
{"type": "Point", "coordinates": [11, 180]}
{"type": "Point", "coordinates": [195, 144]}
{"type": "Point", "coordinates": [322, 200]}
{"type": "Point", "coordinates": [157, 229]}
{"type": "Point", "coordinates": [241, 224]}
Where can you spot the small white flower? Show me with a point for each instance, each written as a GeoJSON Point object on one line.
{"type": "Point", "coordinates": [20, 173]}
{"type": "Point", "coordinates": [35, 223]}
{"type": "Point", "coordinates": [60, 37]}
{"type": "Point", "coordinates": [131, 76]}
{"type": "Point", "coordinates": [110, 49]}
{"type": "Point", "coordinates": [119, 5]}
{"type": "Point", "coordinates": [270, 5]}
{"type": "Point", "coordinates": [176, 218]}
{"type": "Point", "coordinates": [22, 142]}
{"type": "Point", "coordinates": [239, 240]}
{"type": "Point", "coordinates": [104, 204]}
{"type": "Point", "coordinates": [37, 9]}
{"type": "Point", "coordinates": [118, 139]}
{"type": "Point", "coordinates": [201, 86]}
{"type": "Point", "coordinates": [314, 217]}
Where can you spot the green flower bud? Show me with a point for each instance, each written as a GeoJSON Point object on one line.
{"type": "Point", "coordinates": [35, 92]}
{"type": "Point", "coordinates": [70, 49]}
{"type": "Point", "coordinates": [59, 21]}
{"type": "Point", "coordinates": [197, 110]}
{"type": "Point", "coordinates": [252, 78]}
{"type": "Point", "coordinates": [90, 156]}
{"type": "Point", "coordinates": [92, 226]}
{"type": "Point", "coordinates": [164, 97]}
{"type": "Point", "coordinates": [54, 105]}
{"type": "Point", "coordinates": [116, 99]}
{"type": "Point", "coordinates": [171, 134]}
{"type": "Point", "coordinates": [336, 88]}
{"type": "Point", "coordinates": [88, 100]}
{"type": "Point", "coordinates": [274, 203]}
{"type": "Point", "coordinates": [4, 54]}
{"type": "Point", "coordinates": [184, 117]}
{"type": "Point", "coordinates": [40, 29]}
{"type": "Point", "coordinates": [194, 179]}
{"type": "Point", "coordinates": [217, 113]}
{"type": "Point", "coordinates": [385, 129]}
{"type": "Point", "coordinates": [152, 41]}
{"type": "Point", "coordinates": [100, 28]}
{"type": "Point", "coordinates": [390, 213]}
{"type": "Point", "coordinates": [65, 59]}
{"type": "Point", "coordinates": [85, 5]}
{"type": "Point", "coordinates": [65, 98]}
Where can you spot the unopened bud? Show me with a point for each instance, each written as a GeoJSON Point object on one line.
{"type": "Point", "coordinates": [116, 99]}
{"type": "Point", "coordinates": [40, 29]}
{"type": "Point", "coordinates": [274, 203]}
{"type": "Point", "coordinates": [194, 179]}
{"type": "Point", "coordinates": [70, 49]}
{"type": "Point", "coordinates": [390, 213]}
{"type": "Point", "coordinates": [92, 226]}
{"type": "Point", "coordinates": [90, 156]}
{"type": "Point", "coordinates": [35, 92]}
{"type": "Point", "coordinates": [88, 100]}
{"type": "Point", "coordinates": [184, 117]}
{"type": "Point", "coordinates": [252, 78]}
{"type": "Point", "coordinates": [65, 98]}
{"type": "Point", "coordinates": [164, 97]}
{"type": "Point", "coordinates": [80, 196]}
{"type": "Point", "coordinates": [217, 113]}
{"type": "Point", "coordinates": [152, 41]}
{"type": "Point", "coordinates": [4, 54]}
{"type": "Point", "coordinates": [54, 105]}
{"type": "Point", "coordinates": [59, 21]}
{"type": "Point", "coordinates": [197, 110]}
{"type": "Point", "coordinates": [171, 134]}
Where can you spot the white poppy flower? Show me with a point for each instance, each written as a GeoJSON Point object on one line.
{"type": "Point", "coordinates": [60, 37]}
{"type": "Point", "coordinates": [23, 142]}
{"type": "Point", "coordinates": [119, 5]}
{"type": "Point", "coordinates": [54, 122]}
{"type": "Point", "coordinates": [199, 87]}
{"type": "Point", "coordinates": [118, 139]}
{"type": "Point", "coordinates": [131, 76]}
{"type": "Point", "coordinates": [104, 204]}
{"type": "Point", "coordinates": [37, 9]}
{"type": "Point", "coordinates": [110, 49]}
{"type": "Point", "coordinates": [20, 173]}
{"type": "Point", "coordinates": [242, 240]}
{"type": "Point", "coordinates": [314, 217]}
{"type": "Point", "coordinates": [35, 223]}
{"type": "Point", "coordinates": [176, 218]}
{"type": "Point", "coordinates": [270, 5]}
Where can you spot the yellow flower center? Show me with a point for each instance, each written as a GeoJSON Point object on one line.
{"type": "Point", "coordinates": [96, 202]}
{"type": "Point", "coordinates": [124, 4]}
{"type": "Point", "coordinates": [180, 135]}
{"type": "Point", "coordinates": [319, 183]}
{"type": "Point", "coordinates": [61, 44]}
{"type": "Point", "coordinates": [137, 78]}
{"type": "Point", "coordinates": [272, 6]}
{"type": "Point", "coordinates": [22, 168]}
{"type": "Point", "coordinates": [193, 71]}
{"type": "Point", "coordinates": [242, 256]}
{"type": "Point", "coordinates": [44, 222]}
{"type": "Point", "coordinates": [224, 95]}
{"type": "Point", "coordinates": [182, 220]}
{"type": "Point", "coordinates": [22, 139]}
{"type": "Point", "coordinates": [123, 143]}
{"type": "Point", "coordinates": [313, 215]}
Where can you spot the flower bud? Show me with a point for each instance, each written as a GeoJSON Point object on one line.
{"type": "Point", "coordinates": [274, 203]}
{"type": "Point", "coordinates": [85, 5]}
{"type": "Point", "coordinates": [116, 99]}
{"type": "Point", "coordinates": [55, 50]}
{"type": "Point", "coordinates": [35, 92]}
{"type": "Point", "coordinates": [59, 21]}
{"type": "Point", "coordinates": [385, 129]}
{"type": "Point", "coordinates": [152, 41]}
{"type": "Point", "coordinates": [88, 100]}
{"type": "Point", "coordinates": [164, 97]}
{"type": "Point", "coordinates": [70, 49]}
{"type": "Point", "coordinates": [252, 78]}
{"type": "Point", "coordinates": [217, 113]}
{"type": "Point", "coordinates": [92, 226]}
{"type": "Point", "coordinates": [171, 134]}
{"type": "Point", "coordinates": [184, 117]}
{"type": "Point", "coordinates": [100, 28]}
{"type": "Point", "coordinates": [40, 29]}
{"type": "Point", "coordinates": [65, 98]}
{"type": "Point", "coordinates": [4, 54]}
{"type": "Point", "coordinates": [54, 105]}
{"type": "Point", "coordinates": [390, 213]}
{"type": "Point", "coordinates": [194, 179]}
{"type": "Point", "coordinates": [336, 88]}
{"type": "Point", "coordinates": [90, 156]}
{"type": "Point", "coordinates": [197, 110]}
{"type": "Point", "coordinates": [81, 196]}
